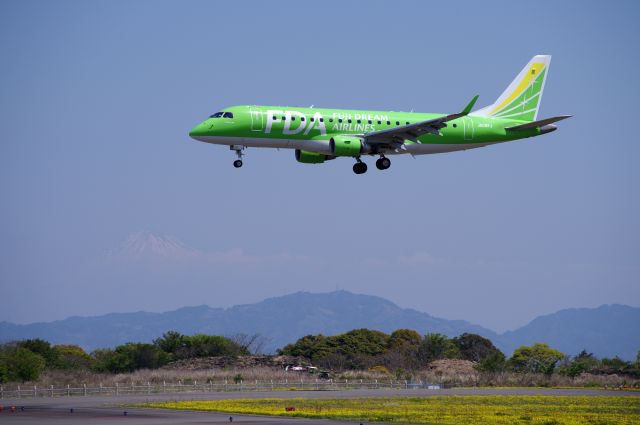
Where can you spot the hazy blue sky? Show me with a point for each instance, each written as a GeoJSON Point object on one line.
{"type": "Point", "coordinates": [97, 98]}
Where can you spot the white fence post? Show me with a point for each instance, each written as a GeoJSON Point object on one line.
{"type": "Point", "coordinates": [85, 389]}
{"type": "Point", "coordinates": [18, 391]}
{"type": "Point", "coordinates": [117, 389]}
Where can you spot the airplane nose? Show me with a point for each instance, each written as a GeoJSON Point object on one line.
{"type": "Point", "coordinates": [199, 130]}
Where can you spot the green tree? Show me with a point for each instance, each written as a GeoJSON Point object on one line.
{"type": "Point", "coordinates": [582, 362]}
{"type": "Point", "coordinates": [360, 342]}
{"type": "Point", "coordinates": [72, 357]}
{"type": "Point", "coordinates": [436, 346]}
{"type": "Point", "coordinates": [618, 366]}
{"type": "Point", "coordinates": [474, 347]}
{"type": "Point", "coordinates": [129, 357]}
{"type": "Point", "coordinates": [309, 346]}
{"type": "Point", "coordinates": [494, 362]}
{"type": "Point", "coordinates": [201, 345]}
{"type": "Point", "coordinates": [102, 358]}
{"type": "Point", "coordinates": [538, 358]}
{"type": "Point", "coordinates": [404, 338]}
{"type": "Point", "coordinates": [171, 342]}
{"type": "Point", "coordinates": [4, 371]}
{"type": "Point", "coordinates": [41, 347]}
{"type": "Point", "coordinates": [24, 365]}
{"type": "Point", "coordinates": [350, 350]}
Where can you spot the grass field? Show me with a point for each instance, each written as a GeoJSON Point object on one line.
{"type": "Point", "coordinates": [449, 410]}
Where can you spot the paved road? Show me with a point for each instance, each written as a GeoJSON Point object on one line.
{"type": "Point", "coordinates": [102, 410]}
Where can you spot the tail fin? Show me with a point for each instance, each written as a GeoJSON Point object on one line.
{"type": "Point", "coordinates": [521, 100]}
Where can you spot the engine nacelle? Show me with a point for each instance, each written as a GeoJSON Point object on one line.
{"type": "Point", "coordinates": [307, 157]}
{"type": "Point", "coordinates": [347, 146]}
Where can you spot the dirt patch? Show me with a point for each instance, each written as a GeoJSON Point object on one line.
{"type": "Point", "coordinates": [232, 362]}
{"type": "Point", "coordinates": [452, 367]}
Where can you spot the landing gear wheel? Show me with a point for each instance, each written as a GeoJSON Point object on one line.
{"type": "Point", "coordinates": [238, 150]}
{"type": "Point", "coordinates": [359, 168]}
{"type": "Point", "coordinates": [383, 163]}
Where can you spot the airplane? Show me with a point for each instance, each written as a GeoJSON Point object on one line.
{"type": "Point", "coordinates": [318, 135]}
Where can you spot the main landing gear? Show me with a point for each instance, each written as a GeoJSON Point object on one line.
{"type": "Point", "coordinates": [359, 167]}
{"type": "Point", "coordinates": [238, 149]}
{"type": "Point", "coordinates": [383, 163]}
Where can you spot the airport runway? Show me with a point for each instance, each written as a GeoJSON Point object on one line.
{"type": "Point", "coordinates": [103, 410]}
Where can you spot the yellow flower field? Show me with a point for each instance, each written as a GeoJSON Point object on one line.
{"type": "Point", "coordinates": [445, 410]}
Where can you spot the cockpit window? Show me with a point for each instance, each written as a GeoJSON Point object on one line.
{"type": "Point", "coordinates": [222, 115]}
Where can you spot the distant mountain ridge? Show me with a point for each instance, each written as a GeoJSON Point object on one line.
{"type": "Point", "coordinates": [606, 330]}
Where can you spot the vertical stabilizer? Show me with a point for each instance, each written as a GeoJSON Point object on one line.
{"type": "Point", "coordinates": [521, 100]}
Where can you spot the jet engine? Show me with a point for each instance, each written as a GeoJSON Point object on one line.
{"type": "Point", "coordinates": [347, 146]}
{"type": "Point", "coordinates": [307, 157]}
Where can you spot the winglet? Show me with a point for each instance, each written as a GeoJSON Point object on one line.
{"type": "Point", "coordinates": [469, 107]}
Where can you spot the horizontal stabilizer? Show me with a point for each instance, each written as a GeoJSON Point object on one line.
{"type": "Point", "coordinates": [540, 123]}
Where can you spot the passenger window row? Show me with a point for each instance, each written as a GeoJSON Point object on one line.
{"type": "Point", "coordinates": [339, 120]}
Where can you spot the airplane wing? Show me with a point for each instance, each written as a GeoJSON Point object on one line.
{"type": "Point", "coordinates": [396, 136]}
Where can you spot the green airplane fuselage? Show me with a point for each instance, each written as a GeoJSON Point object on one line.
{"type": "Point", "coordinates": [310, 129]}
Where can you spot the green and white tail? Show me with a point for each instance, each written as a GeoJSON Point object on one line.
{"type": "Point", "coordinates": [521, 100]}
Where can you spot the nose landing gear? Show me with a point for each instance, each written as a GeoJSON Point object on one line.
{"type": "Point", "coordinates": [238, 149]}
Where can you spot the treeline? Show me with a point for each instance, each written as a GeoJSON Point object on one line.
{"type": "Point", "coordinates": [403, 350]}
{"type": "Point", "coordinates": [406, 350]}
{"type": "Point", "coordinates": [25, 360]}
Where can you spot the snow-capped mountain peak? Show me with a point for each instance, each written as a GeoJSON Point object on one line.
{"type": "Point", "coordinates": [150, 245]}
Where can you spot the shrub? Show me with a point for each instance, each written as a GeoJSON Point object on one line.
{"type": "Point", "coordinates": [380, 369]}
